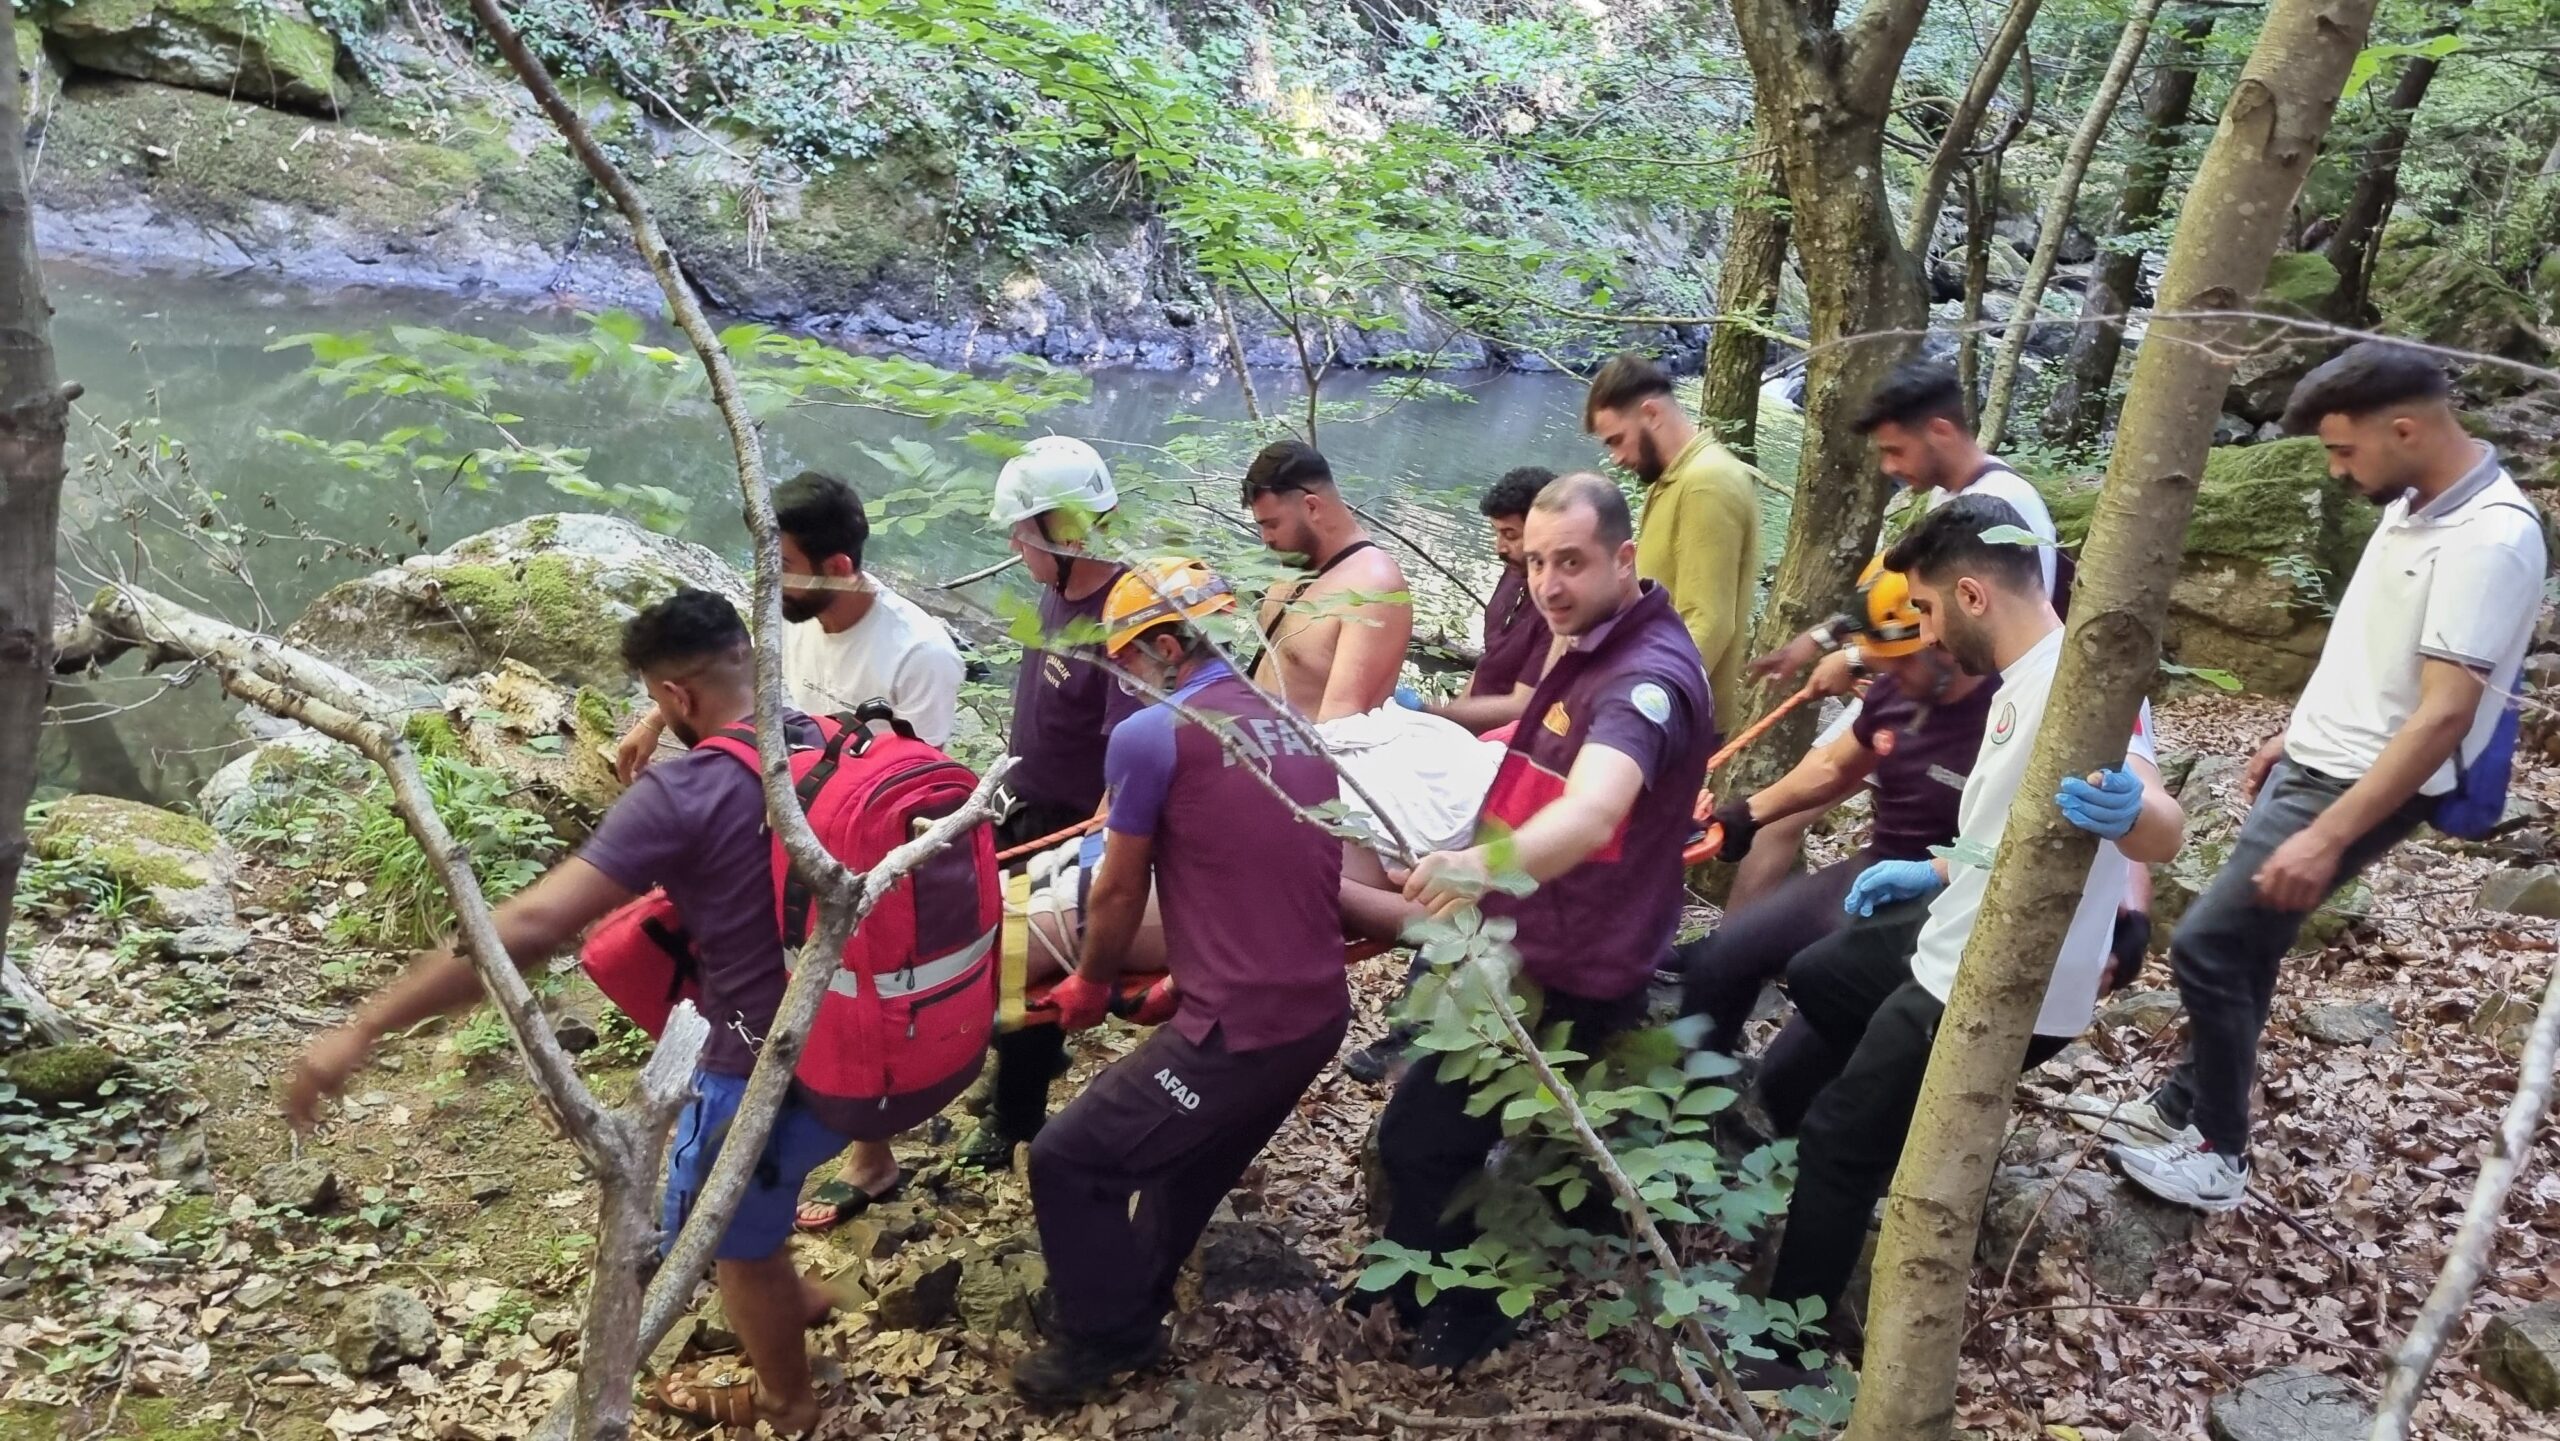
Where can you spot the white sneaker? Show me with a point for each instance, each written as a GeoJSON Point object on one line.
{"type": "Point", "coordinates": [2189, 1175]}
{"type": "Point", "coordinates": [2132, 1123]}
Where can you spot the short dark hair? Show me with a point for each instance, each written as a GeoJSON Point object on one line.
{"type": "Point", "coordinates": [2367, 376]}
{"type": "Point", "coordinates": [686, 628]}
{"type": "Point", "coordinates": [1616, 525]}
{"type": "Point", "coordinates": [1948, 543]}
{"type": "Point", "coordinates": [1513, 493]}
{"type": "Point", "coordinates": [1911, 395]}
{"type": "Point", "coordinates": [823, 515]}
{"type": "Point", "coordinates": [1284, 466]}
{"type": "Point", "coordinates": [1625, 382]}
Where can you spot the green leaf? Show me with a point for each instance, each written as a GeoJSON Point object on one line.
{"type": "Point", "coordinates": [2013, 535]}
{"type": "Point", "coordinates": [1379, 1275]}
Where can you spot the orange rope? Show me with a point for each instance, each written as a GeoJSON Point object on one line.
{"type": "Point", "coordinates": [1051, 839]}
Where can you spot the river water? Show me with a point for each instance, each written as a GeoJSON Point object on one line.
{"type": "Point", "coordinates": [190, 360]}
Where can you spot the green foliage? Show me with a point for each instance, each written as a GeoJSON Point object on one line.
{"type": "Point", "coordinates": [393, 896]}
{"type": "Point", "coordinates": [1654, 1100]}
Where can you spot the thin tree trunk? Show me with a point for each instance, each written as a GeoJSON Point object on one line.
{"type": "Point", "coordinates": [2441, 1316]}
{"type": "Point", "coordinates": [1932, 195]}
{"type": "Point", "coordinates": [2079, 408]}
{"type": "Point", "coordinates": [1755, 253]}
{"type": "Point", "coordinates": [34, 411]}
{"type": "Point", "coordinates": [1981, 213]}
{"type": "Point", "coordinates": [2228, 231]}
{"type": "Point", "coordinates": [1832, 88]}
{"type": "Point", "coordinates": [2351, 246]}
{"type": "Point", "coordinates": [1235, 355]}
{"type": "Point", "coordinates": [2058, 205]}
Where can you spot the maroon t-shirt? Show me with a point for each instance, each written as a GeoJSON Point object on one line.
{"type": "Point", "coordinates": [1634, 684]}
{"type": "Point", "coordinates": [1064, 706]}
{"type": "Point", "coordinates": [1515, 638]}
{"type": "Point", "coordinates": [694, 824]}
{"type": "Point", "coordinates": [1251, 893]}
{"type": "Point", "coordinates": [1924, 751]}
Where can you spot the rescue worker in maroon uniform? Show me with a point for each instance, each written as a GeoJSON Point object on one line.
{"type": "Point", "coordinates": [1515, 634]}
{"type": "Point", "coordinates": [1066, 703]}
{"type": "Point", "coordinates": [1595, 794]}
{"type": "Point", "coordinates": [1255, 1003]}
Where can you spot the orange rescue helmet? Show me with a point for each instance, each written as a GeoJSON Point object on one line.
{"type": "Point", "coordinates": [1155, 592]}
{"type": "Point", "coordinates": [1888, 624]}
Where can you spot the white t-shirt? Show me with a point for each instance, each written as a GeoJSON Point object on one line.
{"type": "Point", "coordinates": [2002, 483]}
{"type": "Point", "coordinates": [2459, 580]}
{"type": "Point", "coordinates": [2017, 715]}
{"type": "Point", "coordinates": [895, 653]}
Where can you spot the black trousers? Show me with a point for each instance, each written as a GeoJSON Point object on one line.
{"type": "Point", "coordinates": [1430, 1148]}
{"type": "Point", "coordinates": [1125, 1179]}
{"type": "Point", "coordinates": [1027, 1060]}
{"type": "Point", "coordinates": [1721, 973]}
{"type": "Point", "coordinates": [1858, 1000]}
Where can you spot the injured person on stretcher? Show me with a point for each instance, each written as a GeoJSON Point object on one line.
{"type": "Point", "coordinates": [1427, 777]}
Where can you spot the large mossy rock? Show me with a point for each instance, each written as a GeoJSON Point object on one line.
{"type": "Point", "coordinates": [550, 593]}
{"type": "Point", "coordinates": [2271, 546]}
{"type": "Point", "coordinates": [265, 50]}
{"type": "Point", "coordinates": [2303, 283]}
{"type": "Point", "coordinates": [174, 866]}
{"type": "Point", "coordinates": [2445, 297]}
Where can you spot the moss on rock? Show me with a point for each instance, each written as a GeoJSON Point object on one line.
{"type": "Point", "coordinates": [255, 49]}
{"type": "Point", "coordinates": [137, 845]}
{"type": "Point", "coordinates": [2448, 298]}
{"type": "Point", "coordinates": [2300, 283]}
{"type": "Point", "coordinates": [60, 1074]}
{"type": "Point", "coordinates": [431, 733]}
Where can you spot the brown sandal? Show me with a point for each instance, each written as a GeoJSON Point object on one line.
{"type": "Point", "coordinates": [709, 1393]}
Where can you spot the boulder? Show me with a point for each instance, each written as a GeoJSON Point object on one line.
{"type": "Point", "coordinates": [551, 592]}
{"type": "Point", "coordinates": [2332, 1023]}
{"type": "Point", "coordinates": [552, 744]}
{"type": "Point", "coordinates": [2145, 1011]}
{"type": "Point", "coordinates": [263, 50]}
{"type": "Point", "coordinates": [382, 1328]}
{"type": "Point", "coordinates": [298, 763]}
{"type": "Point", "coordinates": [2119, 1230]}
{"type": "Point", "coordinates": [2302, 283]}
{"type": "Point", "coordinates": [997, 1284]}
{"type": "Point", "coordinates": [2534, 892]}
{"type": "Point", "coordinates": [175, 865]}
{"type": "Point", "coordinates": [2520, 1355]}
{"type": "Point", "coordinates": [61, 1075]}
{"type": "Point", "coordinates": [2271, 547]}
{"type": "Point", "coordinates": [2290, 1405]}
{"type": "Point", "coordinates": [2504, 1019]}
{"type": "Point", "coordinates": [2446, 297]}
{"type": "Point", "coordinates": [306, 1185]}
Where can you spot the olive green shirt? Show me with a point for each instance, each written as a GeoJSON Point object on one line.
{"type": "Point", "coordinates": [1699, 538]}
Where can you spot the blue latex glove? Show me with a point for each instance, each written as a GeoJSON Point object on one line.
{"type": "Point", "coordinates": [1408, 697]}
{"type": "Point", "coordinates": [1888, 882]}
{"type": "Point", "coordinates": [2106, 809]}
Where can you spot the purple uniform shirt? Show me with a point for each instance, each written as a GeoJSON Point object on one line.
{"type": "Point", "coordinates": [1515, 638]}
{"type": "Point", "coordinates": [1635, 684]}
{"type": "Point", "coordinates": [1065, 704]}
{"type": "Point", "coordinates": [1251, 894]}
{"type": "Point", "coordinates": [1924, 751]}
{"type": "Point", "coordinates": [695, 825]}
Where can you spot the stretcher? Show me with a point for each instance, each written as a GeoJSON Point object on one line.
{"type": "Point", "coordinates": [1021, 1002]}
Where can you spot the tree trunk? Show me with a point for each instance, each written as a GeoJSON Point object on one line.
{"type": "Point", "coordinates": [2058, 205]}
{"type": "Point", "coordinates": [2079, 408]}
{"type": "Point", "coordinates": [2229, 229]}
{"type": "Point", "coordinates": [1755, 252]}
{"type": "Point", "coordinates": [1932, 195]}
{"type": "Point", "coordinates": [1981, 213]}
{"type": "Point", "coordinates": [1827, 92]}
{"type": "Point", "coordinates": [34, 412]}
{"type": "Point", "coordinates": [2352, 244]}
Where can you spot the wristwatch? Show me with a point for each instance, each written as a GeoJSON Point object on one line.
{"type": "Point", "coordinates": [1857, 660]}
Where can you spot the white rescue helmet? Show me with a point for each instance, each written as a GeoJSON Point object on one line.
{"type": "Point", "coordinates": [1055, 472]}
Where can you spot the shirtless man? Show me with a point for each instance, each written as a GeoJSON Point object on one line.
{"type": "Point", "coordinates": [1332, 643]}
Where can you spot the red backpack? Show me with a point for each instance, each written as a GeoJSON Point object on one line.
{"type": "Point", "coordinates": [916, 999]}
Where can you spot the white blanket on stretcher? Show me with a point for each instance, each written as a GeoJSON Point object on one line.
{"type": "Point", "coordinates": [1427, 774]}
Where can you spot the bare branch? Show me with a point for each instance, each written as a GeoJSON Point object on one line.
{"type": "Point", "coordinates": [2469, 1256]}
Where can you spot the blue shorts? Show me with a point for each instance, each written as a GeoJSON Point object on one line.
{"type": "Point", "coordinates": [798, 1145]}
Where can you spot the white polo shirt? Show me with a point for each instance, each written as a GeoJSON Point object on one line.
{"type": "Point", "coordinates": [2458, 579]}
{"type": "Point", "coordinates": [2001, 483]}
{"type": "Point", "coordinates": [2017, 715]}
{"type": "Point", "coordinates": [896, 653]}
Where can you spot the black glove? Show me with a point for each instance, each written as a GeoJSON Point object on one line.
{"type": "Point", "coordinates": [2131, 946]}
{"type": "Point", "coordinates": [1739, 828]}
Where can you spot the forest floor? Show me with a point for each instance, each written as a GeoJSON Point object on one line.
{"type": "Point", "coordinates": [147, 1291]}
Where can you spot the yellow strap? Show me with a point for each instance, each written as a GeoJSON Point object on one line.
{"type": "Point", "coordinates": [1014, 959]}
